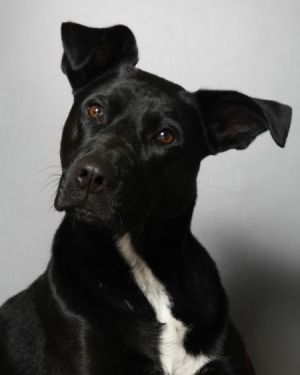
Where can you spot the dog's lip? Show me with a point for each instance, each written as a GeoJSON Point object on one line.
{"type": "Point", "coordinates": [62, 204]}
{"type": "Point", "coordinates": [59, 203]}
{"type": "Point", "coordinates": [81, 211]}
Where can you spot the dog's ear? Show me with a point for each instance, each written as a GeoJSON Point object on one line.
{"type": "Point", "coordinates": [91, 52]}
{"type": "Point", "coordinates": [233, 120]}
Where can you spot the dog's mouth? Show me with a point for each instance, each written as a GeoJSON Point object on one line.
{"type": "Point", "coordinates": [94, 210]}
{"type": "Point", "coordinates": [88, 214]}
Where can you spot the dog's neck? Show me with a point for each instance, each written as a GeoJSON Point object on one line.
{"type": "Point", "coordinates": [86, 256]}
{"type": "Point", "coordinates": [157, 233]}
{"type": "Point", "coordinates": [95, 273]}
{"type": "Point", "coordinates": [162, 238]}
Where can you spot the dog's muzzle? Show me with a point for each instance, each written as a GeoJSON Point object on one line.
{"type": "Point", "coordinates": [86, 185]}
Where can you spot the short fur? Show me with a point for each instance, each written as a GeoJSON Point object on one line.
{"type": "Point", "coordinates": [128, 289]}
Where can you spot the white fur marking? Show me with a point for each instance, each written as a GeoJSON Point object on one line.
{"type": "Point", "coordinates": [174, 358]}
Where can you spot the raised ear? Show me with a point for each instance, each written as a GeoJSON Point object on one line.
{"type": "Point", "coordinates": [91, 52]}
{"type": "Point", "coordinates": [233, 120]}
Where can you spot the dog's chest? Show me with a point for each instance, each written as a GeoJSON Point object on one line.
{"type": "Point", "coordinates": [174, 358]}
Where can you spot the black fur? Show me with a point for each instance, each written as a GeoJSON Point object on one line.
{"type": "Point", "coordinates": [85, 314]}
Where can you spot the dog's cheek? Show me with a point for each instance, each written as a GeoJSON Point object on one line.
{"type": "Point", "coordinates": [174, 190]}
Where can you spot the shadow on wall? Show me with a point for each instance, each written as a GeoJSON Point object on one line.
{"type": "Point", "coordinates": [265, 305]}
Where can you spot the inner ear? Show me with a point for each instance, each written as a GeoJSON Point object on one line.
{"type": "Point", "coordinates": [90, 52]}
{"type": "Point", "coordinates": [234, 125]}
{"type": "Point", "coordinates": [234, 120]}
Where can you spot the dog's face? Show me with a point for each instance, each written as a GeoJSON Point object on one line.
{"type": "Point", "coordinates": [133, 142]}
{"type": "Point", "coordinates": [131, 147]}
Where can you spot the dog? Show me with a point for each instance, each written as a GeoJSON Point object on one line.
{"type": "Point", "coordinates": [128, 289]}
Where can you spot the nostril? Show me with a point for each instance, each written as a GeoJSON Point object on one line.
{"type": "Point", "coordinates": [99, 180]}
{"type": "Point", "coordinates": [96, 184]}
{"type": "Point", "coordinates": [83, 173]}
{"type": "Point", "coordinates": [83, 176]}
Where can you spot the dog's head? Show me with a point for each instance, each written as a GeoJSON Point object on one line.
{"type": "Point", "coordinates": [133, 142]}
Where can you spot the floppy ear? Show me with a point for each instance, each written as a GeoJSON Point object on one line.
{"type": "Point", "coordinates": [233, 120]}
{"type": "Point", "coordinates": [91, 52]}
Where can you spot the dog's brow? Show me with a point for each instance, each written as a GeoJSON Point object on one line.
{"type": "Point", "coordinates": [150, 106]}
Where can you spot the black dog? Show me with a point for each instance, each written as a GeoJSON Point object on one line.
{"type": "Point", "coordinates": [129, 290]}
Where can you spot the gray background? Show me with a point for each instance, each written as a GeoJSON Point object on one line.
{"type": "Point", "coordinates": [248, 208]}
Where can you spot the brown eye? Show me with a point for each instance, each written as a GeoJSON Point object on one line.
{"type": "Point", "coordinates": [95, 111]}
{"type": "Point", "coordinates": [165, 137]}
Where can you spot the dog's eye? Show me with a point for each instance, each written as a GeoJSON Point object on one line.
{"type": "Point", "coordinates": [165, 137]}
{"type": "Point", "coordinates": [95, 111]}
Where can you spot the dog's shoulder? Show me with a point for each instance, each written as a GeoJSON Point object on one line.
{"type": "Point", "coordinates": [21, 330]}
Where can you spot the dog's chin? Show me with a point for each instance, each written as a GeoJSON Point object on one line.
{"type": "Point", "coordinates": [85, 216]}
{"type": "Point", "coordinates": [82, 215]}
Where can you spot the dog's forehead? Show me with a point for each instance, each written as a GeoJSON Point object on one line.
{"type": "Point", "coordinates": [132, 84]}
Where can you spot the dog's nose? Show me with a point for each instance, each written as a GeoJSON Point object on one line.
{"type": "Point", "coordinates": [89, 177]}
{"type": "Point", "coordinates": [92, 176]}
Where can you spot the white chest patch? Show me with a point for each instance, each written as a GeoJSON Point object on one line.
{"type": "Point", "coordinates": [174, 358]}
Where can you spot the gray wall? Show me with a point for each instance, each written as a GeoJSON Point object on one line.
{"type": "Point", "coordinates": [248, 208]}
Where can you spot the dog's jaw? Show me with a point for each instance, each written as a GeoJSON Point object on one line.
{"type": "Point", "coordinates": [174, 358]}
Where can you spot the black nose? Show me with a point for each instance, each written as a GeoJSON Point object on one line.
{"type": "Point", "coordinates": [90, 177]}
